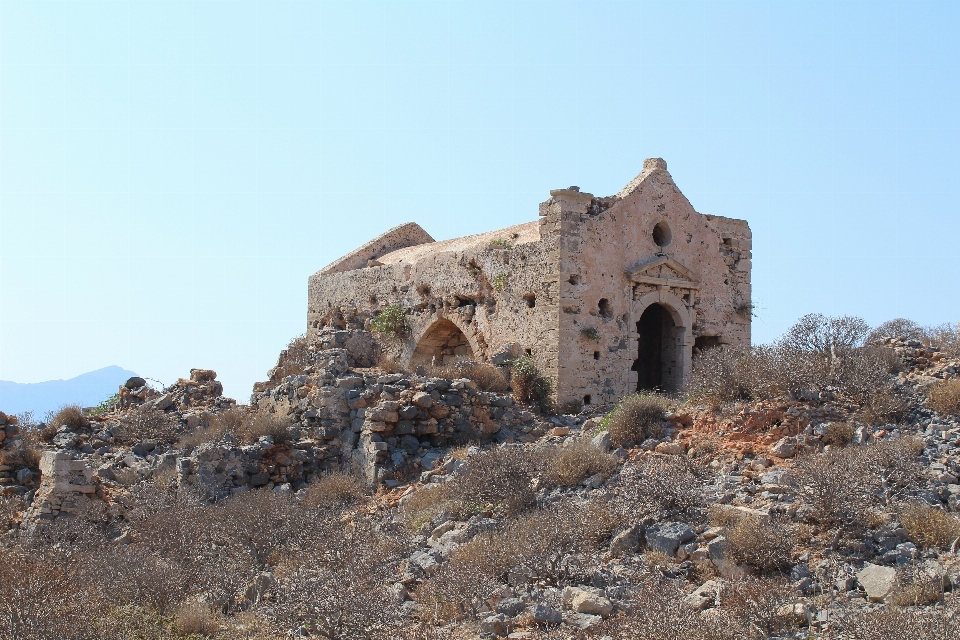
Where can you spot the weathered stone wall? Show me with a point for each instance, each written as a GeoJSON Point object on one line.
{"type": "Point", "coordinates": [612, 270]}
{"type": "Point", "coordinates": [570, 288]}
{"type": "Point", "coordinates": [497, 288]}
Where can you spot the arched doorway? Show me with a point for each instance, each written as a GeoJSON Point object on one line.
{"type": "Point", "coordinates": [659, 363]}
{"type": "Point", "coordinates": [441, 344]}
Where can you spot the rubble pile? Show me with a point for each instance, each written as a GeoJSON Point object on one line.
{"type": "Point", "coordinates": [411, 436]}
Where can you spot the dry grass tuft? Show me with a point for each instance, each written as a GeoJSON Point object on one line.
{"type": "Point", "coordinates": [944, 398]}
{"type": "Point", "coordinates": [196, 619]}
{"type": "Point", "coordinates": [257, 425]}
{"type": "Point", "coordinates": [221, 424]}
{"type": "Point", "coordinates": [569, 466]}
{"type": "Point", "coordinates": [335, 490]}
{"type": "Point", "coordinates": [69, 416]}
{"type": "Point", "coordinates": [930, 527]}
{"type": "Point", "coordinates": [637, 418]}
{"type": "Point", "coordinates": [487, 376]}
{"type": "Point", "coordinates": [765, 544]}
{"type": "Point", "coordinates": [839, 434]}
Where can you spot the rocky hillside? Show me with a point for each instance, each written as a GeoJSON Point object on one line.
{"type": "Point", "coordinates": [818, 498]}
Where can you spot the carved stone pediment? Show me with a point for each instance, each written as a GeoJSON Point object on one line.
{"type": "Point", "coordinates": [664, 271]}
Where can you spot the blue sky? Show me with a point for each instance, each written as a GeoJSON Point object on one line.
{"type": "Point", "coordinates": [172, 172]}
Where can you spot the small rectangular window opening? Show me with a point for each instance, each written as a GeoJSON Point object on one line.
{"type": "Point", "coordinates": [586, 399]}
{"type": "Point", "coordinates": [596, 355]}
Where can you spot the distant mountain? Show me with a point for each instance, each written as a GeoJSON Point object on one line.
{"type": "Point", "coordinates": [87, 390]}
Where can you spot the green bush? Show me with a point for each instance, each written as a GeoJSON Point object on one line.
{"type": "Point", "coordinates": [391, 323]}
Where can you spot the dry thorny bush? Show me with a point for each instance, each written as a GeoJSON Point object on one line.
{"type": "Point", "coordinates": [663, 487]}
{"type": "Point", "coordinates": [247, 426]}
{"type": "Point", "coordinates": [930, 527]}
{"type": "Point", "coordinates": [843, 485]}
{"type": "Point", "coordinates": [181, 550]}
{"type": "Point", "coordinates": [144, 423]}
{"type": "Point", "coordinates": [533, 545]}
{"type": "Point", "coordinates": [748, 609]}
{"type": "Point", "coordinates": [69, 416]}
{"type": "Point", "coordinates": [569, 466]}
{"type": "Point", "coordinates": [637, 418]}
{"type": "Point", "coordinates": [944, 398]}
{"type": "Point", "coordinates": [763, 543]}
{"type": "Point", "coordinates": [817, 354]}
{"type": "Point", "coordinates": [931, 623]}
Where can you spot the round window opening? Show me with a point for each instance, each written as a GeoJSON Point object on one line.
{"type": "Point", "coordinates": [661, 234]}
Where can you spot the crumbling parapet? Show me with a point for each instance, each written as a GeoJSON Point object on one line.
{"type": "Point", "coordinates": [66, 486]}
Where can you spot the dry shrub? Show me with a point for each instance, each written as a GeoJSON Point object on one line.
{"type": "Point", "coordinates": [945, 337]}
{"type": "Point", "coordinates": [930, 527]}
{"type": "Point", "coordinates": [499, 478]}
{"type": "Point", "coordinates": [43, 597]}
{"type": "Point", "coordinates": [421, 505]}
{"type": "Point", "coordinates": [487, 376]}
{"type": "Point", "coordinates": [196, 618]}
{"type": "Point", "coordinates": [533, 545]}
{"type": "Point", "coordinates": [335, 490]}
{"type": "Point", "coordinates": [144, 423]}
{"type": "Point", "coordinates": [69, 416]}
{"type": "Point", "coordinates": [637, 418]}
{"type": "Point", "coordinates": [529, 384]}
{"type": "Point", "coordinates": [886, 405]}
{"type": "Point", "coordinates": [229, 421]}
{"type": "Point", "coordinates": [728, 373]}
{"type": "Point", "coordinates": [660, 614]}
{"type": "Point", "coordinates": [914, 587]}
{"type": "Point", "coordinates": [294, 359]}
{"type": "Point", "coordinates": [722, 515]}
{"type": "Point", "coordinates": [663, 487]}
{"type": "Point", "coordinates": [764, 544]}
{"type": "Point", "coordinates": [751, 608]}
{"type": "Point", "coordinates": [336, 582]}
{"type": "Point", "coordinates": [898, 328]}
{"type": "Point", "coordinates": [259, 424]}
{"type": "Point", "coordinates": [944, 398]}
{"type": "Point", "coordinates": [928, 623]}
{"type": "Point", "coordinates": [844, 485]}
{"type": "Point", "coordinates": [839, 434]}
{"type": "Point", "coordinates": [569, 466]}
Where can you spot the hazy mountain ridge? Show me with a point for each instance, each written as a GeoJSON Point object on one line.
{"type": "Point", "coordinates": [87, 389]}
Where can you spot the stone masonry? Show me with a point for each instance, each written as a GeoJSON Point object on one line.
{"type": "Point", "coordinates": [612, 295]}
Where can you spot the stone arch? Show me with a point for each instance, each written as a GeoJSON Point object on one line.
{"type": "Point", "coordinates": [443, 340]}
{"type": "Point", "coordinates": [667, 314]}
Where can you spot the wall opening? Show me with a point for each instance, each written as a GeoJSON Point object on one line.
{"type": "Point", "coordinates": [661, 234]}
{"type": "Point", "coordinates": [604, 308]}
{"type": "Point", "coordinates": [659, 350]}
{"type": "Point", "coordinates": [586, 399]}
{"type": "Point", "coordinates": [441, 344]}
{"type": "Point", "coordinates": [531, 300]}
{"type": "Point", "coordinates": [596, 355]}
{"type": "Point", "coordinates": [703, 343]}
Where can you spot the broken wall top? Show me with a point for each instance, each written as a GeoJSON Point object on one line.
{"type": "Point", "coordinates": [404, 235]}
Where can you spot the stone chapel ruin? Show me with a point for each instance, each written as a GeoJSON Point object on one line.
{"type": "Point", "coordinates": [612, 295]}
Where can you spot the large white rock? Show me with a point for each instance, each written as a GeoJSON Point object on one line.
{"type": "Point", "coordinates": [877, 581]}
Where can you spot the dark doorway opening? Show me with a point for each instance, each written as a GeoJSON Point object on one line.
{"type": "Point", "coordinates": [654, 363]}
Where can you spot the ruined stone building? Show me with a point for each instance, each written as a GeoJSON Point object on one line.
{"type": "Point", "coordinates": [611, 295]}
